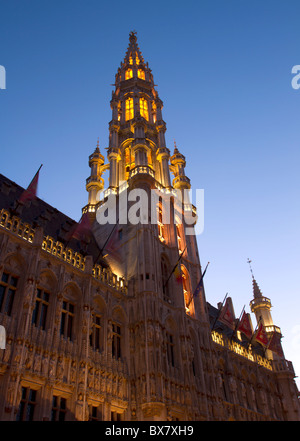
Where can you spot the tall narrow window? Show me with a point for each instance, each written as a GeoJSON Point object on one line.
{"type": "Point", "coordinates": [186, 289]}
{"type": "Point", "coordinates": [130, 59]}
{"type": "Point", "coordinates": [164, 276]}
{"type": "Point", "coordinates": [67, 318]}
{"type": "Point", "coordinates": [161, 229]}
{"type": "Point", "coordinates": [116, 340]}
{"type": "Point", "coordinates": [170, 350]}
{"type": "Point", "coordinates": [137, 60]}
{"type": "Point", "coordinates": [128, 74]}
{"type": "Point", "coordinates": [8, 287]}
{"type": "Point", "coordinates": [27, 405]}
{"type": "Point", "coordinates": [129, 109]}
{"type": "Point", "coordinates": [154, 112]}
{"type": "Point", "coordinates": [95, 336]}
{"type": "Point", "coordinates": [144, 108]}
{"type": "Point", "coordinates": [59, 408]}
{"type": "Point", "coordinates": [141, 74]}
{"type": "Point", "coordinates": [39, 314]}
{"type": "Point", "coordinates": [179, 238]}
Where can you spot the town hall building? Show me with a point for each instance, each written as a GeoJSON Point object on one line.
{"type": "Point", "coordinates": [110, 321]}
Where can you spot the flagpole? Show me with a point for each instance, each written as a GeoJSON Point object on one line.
{"type": "Point", "coordinates": [198, 284]}
{"type": "Point", "coordinates": [174, 268]}
{"type": "Point", "coordinates": [237, 323]}
{"type": "Point", "coordinates": [250, 342]}
{"type": "Point", "coordinates": [106, 242]}
{"type": "Point", "coordinates": [219, 312]}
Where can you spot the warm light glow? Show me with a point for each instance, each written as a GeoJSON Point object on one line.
{"type": "Point", "coordinates": [179, 239]}
{"type": "Point", "coordinates": [129, 109]}
{"type": "Point", "coordinates": [130, 60]}
{"type": "Point", "coordinates": [137, 60]}
{"type": "Point", "coordinates": [161, 233]}
{"type": "Point", "coordinates": [141, 74]}
{"type": "Point", "coordinates": [154, 112]}
{"type": "Point", "coordinates": [144, 108]}
{"type": "Point", "coordinates": [128, 74]}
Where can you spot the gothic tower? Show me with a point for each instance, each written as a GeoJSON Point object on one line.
{"type": "Point", "coordinates": [160, 309]}
{"type": "Point", "coordinates": [106, 319]}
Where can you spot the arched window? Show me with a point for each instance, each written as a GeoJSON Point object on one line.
{"type": "Point", "coordinates": [137, 60]}
{"type": "Point", "coordinates": [187, 292]}
{"type": "Point", "coordinates": [129, 109]}
{"type": "Point", "coordinates": [67, 319]}
{"type": "Point", "coordinates": [117, 333]}
{"type": "Point", "coordinates": [68, 312]}
{"type": "Point", "coordinates": [161, 228]}
{"type": "Point", "coordinates": [97, 324]}
{"type": "Point", "coordinates": [128, 74]}
{"type": "Point", "coordinates": [43, 298]}
{"type": "Point", "coordinates": [96, 332]}
{"type": "Point", "coordinates": [154, 112]}
{"type": "Point", "coordinates": [8, 288]}
{"type": "Point", "coordinates": [130, 59]}
{"type": "Point", "coordinates": [40, 312]}
{"type": "Point", "coordinates": [180, 240]}
{"type": "Point", "coordinates": [144, 108]}
{"type": "Point", "coordinates": [141, 74]}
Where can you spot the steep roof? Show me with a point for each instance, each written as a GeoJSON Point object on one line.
{"type": "Point", "coordinates": [54, 223]}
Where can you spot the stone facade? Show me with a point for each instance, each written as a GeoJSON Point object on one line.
{"type": "Point", "coordinates": [100, 329]}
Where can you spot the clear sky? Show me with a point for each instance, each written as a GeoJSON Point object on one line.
{"type": "Point", "coordinates": [223, 70]}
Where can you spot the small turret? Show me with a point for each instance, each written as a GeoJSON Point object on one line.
{"type": "Point", "coordinates": [178, 164]}
{"type": "Point", "coordinates": [261, 307]}
{"type": "Point", "coordinates": [95, 182]}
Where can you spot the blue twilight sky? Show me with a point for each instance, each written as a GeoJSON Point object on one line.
{"type": "Point", "coordinates": [223, 70]}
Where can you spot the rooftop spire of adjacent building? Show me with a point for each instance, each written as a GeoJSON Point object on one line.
{"type": "Point", "coordinates": [256, 290]}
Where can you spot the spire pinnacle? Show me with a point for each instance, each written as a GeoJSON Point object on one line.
{"type": "Point", "coordinates": [249, 261]}
{"type": "Point", "coordinates": [175, 148]}
{"type": "Point", "coordinates": [132, 36]}
{"type": "Point", "coordinates": [97, 149]}
{"type": "Point", "coordinates": [256, 290]}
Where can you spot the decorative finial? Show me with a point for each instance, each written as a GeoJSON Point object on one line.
{"type": "Point", "coordinates": [249, 261]}
{"type": "Point", "coordinates": [132, 36]}
{"type": "Point", "coordinates": [97, 146]}
{"type": "Point", "coordinates": [175, 147]}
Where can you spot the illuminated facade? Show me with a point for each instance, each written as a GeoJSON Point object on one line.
{"type": "Point", "coordinates": [100, 329]}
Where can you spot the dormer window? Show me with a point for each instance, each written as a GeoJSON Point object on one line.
{"type": "Point", "coordinates": [129, 109]}
{"type": "Point", "coordinates": [128, 74]}
{"type": "Point", "coordinates": [144, 108]}
{"type": "Point", "coordinates": [141, 74]}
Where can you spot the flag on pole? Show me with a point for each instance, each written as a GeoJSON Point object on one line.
{"type": "Point", "coordinates": [178, 274]}
{"type": "Point", "coordinates": [173, 270]}
{"type": "Point", "coordinates": [275, 344]}
{"type": "Point", "coordinates": [199, 286]}
{"type": "Point", "coordinates": [227, 314]}
{"type": "Point", "coordinates": [31, 192]}
{"type": "Point", "coordinates": [261, 335]}
{"type": "Point", "coordinates": [82, 228]}
{"type": "Point", "coordinates": [112, 246]}
{"type": "Point", "coordinates": [244, 325]}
